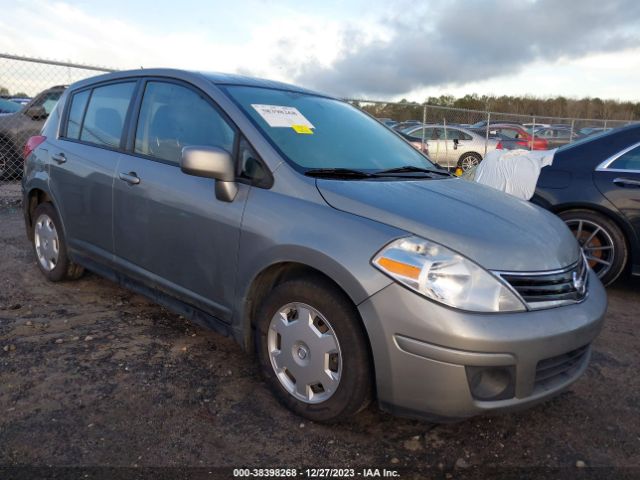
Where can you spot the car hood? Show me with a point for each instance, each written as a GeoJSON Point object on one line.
{"type": "Point", "coordinates": [494, 229]}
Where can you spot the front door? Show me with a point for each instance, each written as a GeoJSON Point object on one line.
{"type": "Point", "coordinates": [619, 181]}
{"type": "Point", "coordinates": [169, 228]}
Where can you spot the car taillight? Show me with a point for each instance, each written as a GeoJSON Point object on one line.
{"type": "Point", "coordinates": [499, 146]}
{"type": "Point", "coordinates": [32, 144]}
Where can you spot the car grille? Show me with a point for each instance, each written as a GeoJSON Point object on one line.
{"type": "Point", "coordinates": [550, 289]}
{"type": "Point", "coordinates": [555, 370]}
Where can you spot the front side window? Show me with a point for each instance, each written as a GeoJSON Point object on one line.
{"type": "Point", "coordinates": [172, 117]}
{"type": "Point", "coordinates": [627, 161]}
{"type": "Point", "coordinates": [455, 134]}
{"type": "Point", "coordinates": [107, 109]}
{"type": "Point", "coordinates": [314, 132]}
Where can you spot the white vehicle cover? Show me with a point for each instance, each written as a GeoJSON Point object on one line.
{"type": "Point", "coordinates": [513, 171]}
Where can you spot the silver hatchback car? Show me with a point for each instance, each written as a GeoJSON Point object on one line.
{"type": "Point", "coordinates": [355, 270]}
{"type": "Point", "coordinates": [453, 147]}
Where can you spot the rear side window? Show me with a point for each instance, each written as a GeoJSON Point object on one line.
{"type": "Point", "coordinates": [172, 117]}
{"type": "Point", "coordinates": [628, 161]}
{"type": "Point", "coordinates": [78, 104]}
{"type": "Point", "coordinates": [454, 134]}
{"type": "Point", "coordinates": [107, 109]}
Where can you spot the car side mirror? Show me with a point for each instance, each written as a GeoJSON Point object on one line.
{"type": "Point", "coordinates": [36, 112]}
{"type": "Point", "coordinates": [211, 162]}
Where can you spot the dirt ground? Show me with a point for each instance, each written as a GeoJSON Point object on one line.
{"type": "Point", "coordinates": [93, 375]}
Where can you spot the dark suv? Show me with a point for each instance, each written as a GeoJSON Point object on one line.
{"type": "Point", "coordinates": [16, 128]}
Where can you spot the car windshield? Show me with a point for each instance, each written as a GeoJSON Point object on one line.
{"type": "Point", "coordinates": [314, 132]}
{"type": "Point", "coordinates": [7, 106]}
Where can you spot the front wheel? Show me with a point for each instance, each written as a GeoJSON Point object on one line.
{"type": "Point", "coordinates": [469, 160]}
{"type": "Point", "coordinates": [312, 350]}
{"type": "Point", "coordinates": [602, 242]}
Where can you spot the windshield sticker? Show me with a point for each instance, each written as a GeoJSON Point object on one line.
{"type": "Point", "coordinates": [302, 129]}
{"type": "Point", "coordinates": [279, 116]}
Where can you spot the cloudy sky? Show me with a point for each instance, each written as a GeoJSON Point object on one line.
{"type": "Point", "coordinates": [366, 49]}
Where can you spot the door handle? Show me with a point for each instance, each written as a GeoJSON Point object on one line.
{"type": "Point", "coordinates": [627, 182]}
{"type": "Point", "coordinates": [131, 178]}
{"type": "Point", "coordinates": [59, 158]}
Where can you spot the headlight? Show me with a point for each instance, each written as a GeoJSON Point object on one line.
{"type": "Point", "coordinates": [445, 276]}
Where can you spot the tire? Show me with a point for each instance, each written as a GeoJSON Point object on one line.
{"type": "Point", "coordinates": [469, 160]}
{"type": "Point", "coordinates": [327, 401]}
{"type": "Point", "coordinates": [49, 246]}
{"type": "Point", "coordinates": [607, 250]}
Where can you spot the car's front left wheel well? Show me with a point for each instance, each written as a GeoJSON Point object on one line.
{"type": "Point", "coordinates": [273, 276]}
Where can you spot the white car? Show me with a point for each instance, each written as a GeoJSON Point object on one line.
{"type": "Point", "coordinates": [452, 147]}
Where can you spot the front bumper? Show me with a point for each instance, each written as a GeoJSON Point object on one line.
{"type": "Point", "coordinates": [423, 351]}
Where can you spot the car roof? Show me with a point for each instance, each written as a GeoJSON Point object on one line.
{"type": "Point", "coordinates": [214, 77]}
{"type": "Point", "coordinates": [509, 125]}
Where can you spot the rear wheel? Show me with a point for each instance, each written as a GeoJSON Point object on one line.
{"type": "Point", "coordinates": [602, 242]}
{"type": "Point", "coordinates": [312, 350]}
{"type": "Point", "coordinates": [469, 160]}
{"type": "Point", "coordinates": [50, 246]}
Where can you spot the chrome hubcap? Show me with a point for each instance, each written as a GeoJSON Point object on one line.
{"type": "Point", "coordinates": [596, 244]}
{"type": "Point", "coordinates": [469, 162]}
{"type": "Point", "coordinates": [45, 237]}
{"type": "Point", "coordinates": [304, 352]}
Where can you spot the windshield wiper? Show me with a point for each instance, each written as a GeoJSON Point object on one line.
{"type": "Point", "coordinates": [337, 173]}
{"type": "Point", "coordinates": [411, 169]}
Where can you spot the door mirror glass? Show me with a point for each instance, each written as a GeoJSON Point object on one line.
{"type": "Point", "coordinates": [211, 162]}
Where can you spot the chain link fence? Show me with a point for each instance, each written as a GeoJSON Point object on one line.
{"type": "Point", "coordinates": [453, 137]}
{"type": "Point", "coordinates": [29, 89]}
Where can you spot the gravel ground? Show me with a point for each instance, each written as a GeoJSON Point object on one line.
{"type": "Point", "coordinates": [93, 375]}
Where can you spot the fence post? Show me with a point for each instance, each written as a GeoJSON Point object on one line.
{"type": "Point", "coordinates": [486, 135]}
{"type": "Point", "coordinates": [573, 124]}
{"type": "Point", "coordinates": [446, 141]}
{"type": "Point", "coordinates": [533, 133]}
{"type": "Point", "coordinates": [424, 121]}
{"type": "Point", "coordinates": [605, 124]}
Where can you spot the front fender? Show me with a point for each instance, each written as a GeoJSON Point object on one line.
{"type": "Point", "coordinates": [279, 228]}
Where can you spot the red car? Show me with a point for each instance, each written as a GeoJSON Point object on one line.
{"type": "Point", "coordinates": [518, 133]}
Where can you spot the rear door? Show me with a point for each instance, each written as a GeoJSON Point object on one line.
{"type": "Point", "coordinates": [618, 179]}
{"type": "Point", "coordinates": [83, 162]}
{"type": "Point", "coordinates": [170, 229]}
